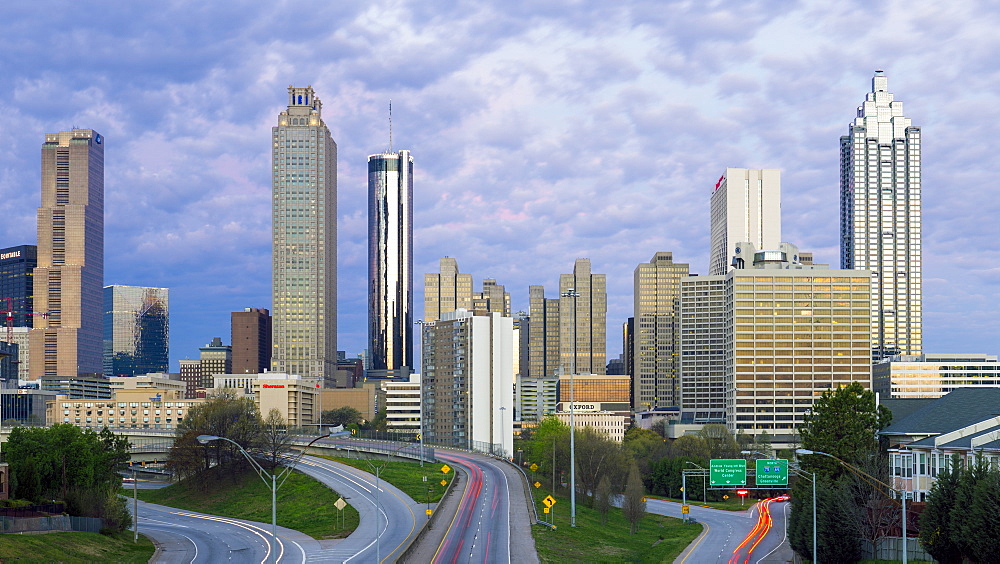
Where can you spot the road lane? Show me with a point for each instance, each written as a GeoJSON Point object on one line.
{"type": "Point", "coordinates": [724, 530]}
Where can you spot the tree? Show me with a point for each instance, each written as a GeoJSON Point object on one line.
{"type": "Point", "coordinates": [634, 500]}
{"type": "Point", "coordinates": [689, 446]}
{"type": "Point", "coordinates": [345, 416]}
{"type": "Point", "coordinates": [938, 533]}
{"type": "Point", "coordinates": [275, 440]}
{"type": "Point", "coordinates": [967, 526]}
{"type": "Point", "coordinates": [645, 447]}
{"type": "Point", "coordinates": [602, 498]}
{"type": "Point", "coordinates": [549, 448]}
{"type": "Point", "coordinates": [597, 456]}
{"type": "Point", "coordinates": [224, 415]}
{"type": "Point", "coordinates": [980, 530]}
{"type": "Point", "coordinates": [720, 442]}
{"type": "Point", "coordinates": [843, 423]}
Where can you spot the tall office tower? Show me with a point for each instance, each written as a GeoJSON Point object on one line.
{"type": "Point", "coordinates": [768, 339]}
{"type": "Point", "coordinates": [390, 261]}
{"type": "Point", "coordinates": [136, 330]}
{"type": "Point", "coordinates": [17, 267]}
{"type": "Point", "coordinates": [191, 376]}
{"type": "Point", "coordinates": [70, 272]}
{"type": "Point", "coordinates": [583, 313]}
{"type": "Point", "coordinates": [543, 335]}
{"type": "Point", "coordinates": [657, 290]}
{"type": "Point", "coordinates": [215, 358]}
{"type": "Point", "coordinates": [880, 217]}
{"type": "Point", "coordinates": [304, 239]}
{"type": "Point", "coordinates": [493, 299]}
{"type": "Point", "coordinates": [746, 206]}
{"type": "Point", "coordinates": [446, 291]}
{"type": "Point", "coordinates": [467, 381]}
{"type": "Point", "coordinates": [251, 338]}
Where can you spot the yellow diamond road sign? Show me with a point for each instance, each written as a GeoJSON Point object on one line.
{"type": "Point", "coordinates": [549, 501]}
{"type": "Point", "coordinates": [340, 503]}
{"type": "Point", "coordinates": [533, 467]}
{"type": "Point", "coordinates": [538, 484]}
{"type": "Point", "coordinates": [444, 483]}
{"type": "Point", "coordinates": [445, 468]}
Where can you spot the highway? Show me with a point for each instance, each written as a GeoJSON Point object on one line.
{"type": "Point", "coordinates": [724, 530]}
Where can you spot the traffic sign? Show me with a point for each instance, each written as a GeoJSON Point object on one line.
{"type": "Point", "coordinates": [444, 482]}
{"type": "Point", "coordinates": [445, 468]}
{"type": "Point", "coordinates": [685, 508]}
{"type": "Point", "coordinates": [428, 511]}
{"type": "Point", "coordinates": [545, 509]}
{"type": "Point", "coordinates": [533, 467]}
{"type": "Point", "coordinates": [538, 484]}
{"type": "Point", "coordinates": [549, 501]}
{"type": "Point", "coordinates": [772, 472]}
{"type": "Point", "coordinates": [728, 472]}
{"type": "Point", "coordinates": [340, 503]}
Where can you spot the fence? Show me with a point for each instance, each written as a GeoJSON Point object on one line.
{"type": "Point", "coordinates": [891, 548]}
{"type": "Point", "coordinates": [50, 523]}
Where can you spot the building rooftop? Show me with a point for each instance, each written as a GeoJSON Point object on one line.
{"type": "Point", "coordinates": [958, 409]}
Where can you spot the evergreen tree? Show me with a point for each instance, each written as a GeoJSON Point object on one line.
{"type": "Point", "coordinates": [937, 529]}
{"type": "Point", "coordinates": [634, 500]}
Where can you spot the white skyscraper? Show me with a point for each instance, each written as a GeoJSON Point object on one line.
{"type": "Point", "coordinates": [304, 239]}
{"type": "Point", "coordinates": [880, 217]}
{"type": "Point", "coordinates": [746, 206]}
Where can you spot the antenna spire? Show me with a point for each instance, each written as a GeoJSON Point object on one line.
{"type": "Point", "coordinates": [390, 125]}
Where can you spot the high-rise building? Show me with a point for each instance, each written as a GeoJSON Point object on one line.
{"type": "Point", "coordinates": [70, 272]}
{"type": "Point", "coordinates": [764, 342]}
{"type": "Point", "coordinates": [304, 239]}
{"type": "Point", "coordinates": [390, 261]}
{"type": "Point", "coordinates": [933, 375]}
{"type": "Point", "coordinates": [191, 376]}
{"type": "Point", "coordinates": [215, 358]}
{"type": "Point", "coordinates": [493, 299]}
{"type": "Point", "coordinates": [541, 355]}
{"type": "Point", "coordinates": [583, 312]}
{"type": "Point", "coordinates": [656, 295]}
{"type": "Point", "coordinates": [17, 266]}
{"type": "Point", "coordinates": [880, 217]}
{"type": "Point", "coordinates": [251, 337]}
{"type": "Point", "coordinates": [136, 330]}
{"type": "Point", "coordinates": [746, 206]}
{"type": "Point", "coordinates": [446, 291]}
{"type": "Point", "coordinates": [467, 381]}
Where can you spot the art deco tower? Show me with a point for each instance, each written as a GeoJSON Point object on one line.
{"type": "Point", "coordinates": [390, 261]}
{"type": "Point", "coordinates": [304, 239]}
{"type": "Point", "coordinates": [880, 217]}
{"type": "Point", "coordinates": [70, 273]}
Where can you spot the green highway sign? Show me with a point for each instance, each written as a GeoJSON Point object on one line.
{"type": "Point", "coordinates": [772, 472]}
{"type": "Point", "coordinates": [728, 472]}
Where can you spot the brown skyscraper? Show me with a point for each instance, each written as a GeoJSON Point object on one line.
{"type": "Point", "coordinates": [70, 273]}
{"type": "Point", "coordinates": [251, 341]}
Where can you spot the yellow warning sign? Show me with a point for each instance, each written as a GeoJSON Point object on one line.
{"type": "Point", "coordinates": [444, 482]}
{"type": "Point", "coordinates": [533, 467]}
{"type": "Point", "coordinates": [545, 509]}
{"type": "Point", "coordinates": [549, 501]}
{"type": "Point", "coordinates": [445, 468]}
{"type": "Point", "coordinates": [538, 484]}
{"type": "Point", "coordinates": [428, 511]}
{"type": "Point", "coordinates": [685, 508]}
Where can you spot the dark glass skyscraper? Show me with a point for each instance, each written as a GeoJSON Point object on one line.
{"type": "Point", "coordinates": [17, 265]}
{"type": "Point", "coordinates": [390, 260]}
{"type": "Point", "coordinates": [136, 330]}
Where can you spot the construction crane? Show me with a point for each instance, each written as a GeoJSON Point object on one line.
{"type": "Point", "coordinates": [10, 313]}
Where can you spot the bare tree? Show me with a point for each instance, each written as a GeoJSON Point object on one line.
{"type": "Point", "coordinates": [275, 441]}
{"type": "Point", "coordinates": [596, 454]}
{"type": "Point", "coordinates": [634, 501]}
{"type": "Point", "coordinates": [602, 498]}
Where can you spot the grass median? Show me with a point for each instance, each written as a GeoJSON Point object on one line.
{"type": "Point", "coordinates": [659, 538]}
{"type": "Point", "coordinates": [75, 547]}
{"type": "Point", "coordinates": [405, 475]}
{"type": "Point", "coordinates": [304, 504]}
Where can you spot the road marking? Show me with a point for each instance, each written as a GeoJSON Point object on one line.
{"type": "Point", "coordinates": [697, 542]}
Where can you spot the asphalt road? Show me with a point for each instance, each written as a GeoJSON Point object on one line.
{"type": "Point", "coordinates": [724, 530]}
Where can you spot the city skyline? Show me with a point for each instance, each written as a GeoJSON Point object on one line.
{"type": "Point", "coordinates": [525, 162]}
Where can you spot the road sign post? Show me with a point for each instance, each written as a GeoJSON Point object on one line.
{"type": "Point", "coordinates": [728, 472]}
{"type": "Point", "coordinates": [772, 472]}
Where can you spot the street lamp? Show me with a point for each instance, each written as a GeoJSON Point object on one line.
{"type": "Point", "coordinates": [203, 439]}
{"type": "Point", "coordinates": [572, 293]}
{"type": "Point", "coordinates": [856, 470]}
{"type": "Point", "coordinates": [421, 323]}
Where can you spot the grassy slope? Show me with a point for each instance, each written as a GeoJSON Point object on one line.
{"type": "Point", "coordinates": [304, 504]}
{"type": "Point", "coordinates": [407, 476]}
{"type": "Point", "coordinates": [75, 547]}
{"type": "Point", "coordinates": [659, 538]}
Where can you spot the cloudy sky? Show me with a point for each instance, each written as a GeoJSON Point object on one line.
{"type": "Point", "coordinates": [541, 130]}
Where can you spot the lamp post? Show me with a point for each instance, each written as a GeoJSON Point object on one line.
{"type": "Point", "coordinates": [421, 323]}
{"type": "Point", "coordinates": [856, 470]}
{"type": "Point", "coordinates": [572, 293]}
{"type": "Point", "coordinates": [704, 489]}
{"type": "Point", "coordinates": [274, 485]}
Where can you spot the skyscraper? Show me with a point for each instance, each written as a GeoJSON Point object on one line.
{"type": "Point", "coordinates": [17, 267]}
{"type": "Point", "coordinates": [880, 217]}
{"type": "Point", "coordinates": [304, 239]}
{"type": "Point", "coordinates": [251, 335]}
{"type": "Point", "coordinates": [136, 330]}
{"type": "Point", "coordinates": [657, 288]}
{"type": "Point", "coordinates": [390, 261]}
{"type": "Point", "coordinates": [446, 291]}
{"type": "Point", "coordinates": [746, 206]}
{"type": "Point", "coordinates": [541, 356]}
{"type": "Point", "coordinates": [583, 313]}
{"type": "Point", "coordinates": [70, 272]}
